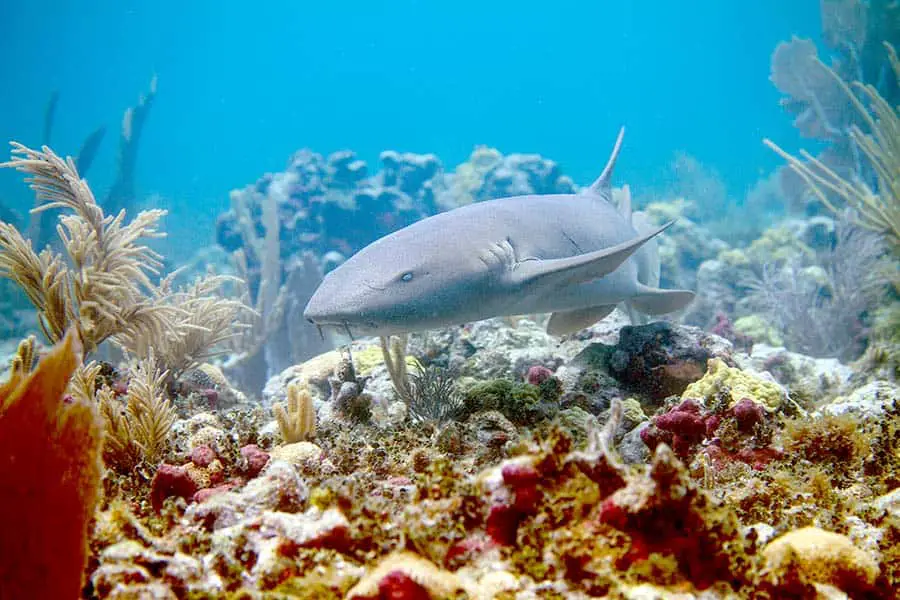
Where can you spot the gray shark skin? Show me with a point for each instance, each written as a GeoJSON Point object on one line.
{"type": "Point", "coordinates": [574, 255]}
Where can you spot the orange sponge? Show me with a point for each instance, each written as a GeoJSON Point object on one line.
{"type": "Point", "coordinates": [50, 470]}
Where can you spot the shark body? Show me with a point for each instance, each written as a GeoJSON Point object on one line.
{"type": "Point", "coordinates": [574, 255]}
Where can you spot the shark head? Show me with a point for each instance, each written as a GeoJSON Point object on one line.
{"type": "Point", "coordinates": [406, 281]}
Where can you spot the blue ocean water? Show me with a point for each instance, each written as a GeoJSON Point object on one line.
{"type": "Point", "coordinates": [242, 85]}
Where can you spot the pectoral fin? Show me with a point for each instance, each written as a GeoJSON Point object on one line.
{"type": "Point", "coordinates": [656, 301]}
{"type": "Point", "coordinates": [581, 267]}
{"type": "Point", "coordinates": [570, 321]}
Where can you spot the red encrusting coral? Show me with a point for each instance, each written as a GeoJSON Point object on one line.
{"type": "Point", "coordinates": [748, 414]}
{"type": "Point", "coordinates": [207, 493]}
{"type": "Point", "coordinates": [683, 428]}
{"type": "Point", "coordinates": [397, 585]}
{"type": "Point", "coordinates": [734, 434]}
{"type": "Point", "coordinates": [171, 482]}
{"type": "Point", "coordinates": [665, 513]}
{"type": "Point", "coordinates": [517, 498]}
{"type": "Point", "coordinates": [467, 549]}
{"type": "Point", "coordinates": [253, 460]}
{"type": "Point", "coordinates": [723, 327]}
{"type": "Point", "coordinates": [538, 374]}
{"type": "Point", "coordinates": [202, 456]}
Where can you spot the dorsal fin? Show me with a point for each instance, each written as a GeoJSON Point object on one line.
{"type": "Point", "coordinates": [603, 185]}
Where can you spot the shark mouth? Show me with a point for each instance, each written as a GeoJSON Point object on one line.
{"type": "Point", "coordinates": [345, 326]}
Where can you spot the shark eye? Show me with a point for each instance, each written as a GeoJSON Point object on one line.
{"type": "Point", "coordinates": [406, 276]}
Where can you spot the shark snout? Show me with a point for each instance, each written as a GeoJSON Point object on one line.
{"type": "Point", "coordinates": [320, 311]}
{"type": "Point", "coordinates": [335, 303]}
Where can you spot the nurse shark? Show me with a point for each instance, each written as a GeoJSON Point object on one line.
{"type": "Point", "coordinates": [573, 255]}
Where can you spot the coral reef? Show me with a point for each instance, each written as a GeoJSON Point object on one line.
{"type": "Point", "coordinates": [698, 459]}
{"type": "Point", "coordinates": [333, 204]}
{"type": "Point", "coordinates": [653, 361]}
{"type": "Point", "coordinates": [520, 492]}
{"type": "Point", "coordinates": [289, 228]}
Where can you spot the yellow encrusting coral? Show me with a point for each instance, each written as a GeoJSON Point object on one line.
{"type": "Point", "coordinates": [823, 557]}
{"type": "Point", "coordinates": [735, 385]}
{"type": "Point", "coordinates": [50, 473]}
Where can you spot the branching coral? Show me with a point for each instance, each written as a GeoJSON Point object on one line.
{"type": "Point", "coordinates": [393, 349]}
{"type": "Point", "coordinates": [821, 309]}
{"type": "Point", "coordinates": [23, 361]}
{"type": "Point", "coordinates": [277, 335]}
{"type": "Point", "coordinates": [433, 396]}
{"type": "Point", "coordinates": [121, 195]}
{"type": "Point", "coordinates": [296, 421]}
{"type": "Point", "coordinates": [138, 428]}
{"type": "Point", "coordinates": [200, 321]}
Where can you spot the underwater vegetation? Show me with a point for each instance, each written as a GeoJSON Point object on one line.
{"type": "Point", "coordinates": [868, 201]}
{"type": "Point", "coordinates": [191, 436]}
{"type": "Point", "coordinates": [101, 286]}
{"type": "Point", "coordinates": [878, 207]}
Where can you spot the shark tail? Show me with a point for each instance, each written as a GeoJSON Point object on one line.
{"type": "Point", "coordinates": [651, 299]}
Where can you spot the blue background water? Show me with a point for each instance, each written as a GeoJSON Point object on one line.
{"type": "Point", "coordinates": [242, 85]}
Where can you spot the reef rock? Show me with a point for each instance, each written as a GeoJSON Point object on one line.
{"type": "Point", "coordinates": [804, 377]}
{"type": "Point", "coordinates": [653, 361]}
{"type": "Point", "coordinates": [869, 401]}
